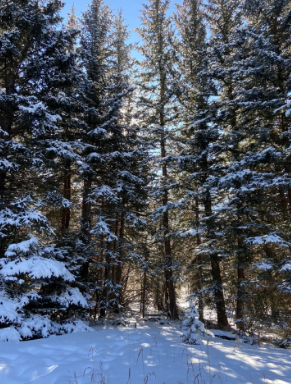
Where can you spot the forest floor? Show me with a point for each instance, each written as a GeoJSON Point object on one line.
{"type": "Point", "coordinates": [151, 353]}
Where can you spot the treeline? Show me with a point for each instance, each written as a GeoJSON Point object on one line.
{"type": "Point", "coordinates": [121, 181]}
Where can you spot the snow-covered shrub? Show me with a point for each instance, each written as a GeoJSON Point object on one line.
{"type": "Point", "coordinates": [75, 326]}
{"type": "Point", "coordinates": [36, 296]}
{"type": "Point", "coordinates": [9, 334]}
{"type": "Point", "coordinates": [41, 326]}
{"type": "Point", "coordinates": [120, 321]}
{"type": "Point", "coordinates": [193, 329]}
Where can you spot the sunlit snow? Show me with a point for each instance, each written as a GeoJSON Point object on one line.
{"type": "Point", "coordinates": [150, 353]}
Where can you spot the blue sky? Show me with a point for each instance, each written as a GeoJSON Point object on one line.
{"type": "Point", "coordinates": [130, 9]}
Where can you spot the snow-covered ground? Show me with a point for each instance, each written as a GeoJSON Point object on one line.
{"type": "Point", "coordinates": [151, 353]}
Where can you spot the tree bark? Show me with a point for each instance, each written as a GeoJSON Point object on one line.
{"type": "Point", "coordinates": [215, 266]}
{"type": "Point", "coordinates": [119, 266]}
{"type": "Point", "coordinates": [199, 268]}
{"type": "Point", "coordinates": [240, 289]}
{"type": "Point", "coordinates": [240, 299]}
{"type": "Point", "coordinates": [7, 117]}
{"type": "Point", "coordinates": [103, 304]}
{"type": "Point", "coordinates": [167, 244]}
{"type": "Point", "coordinates": [66, 211]}
{"type": "Point", "coordinates": [165, 219]}
{"type": "Point", "coordinates": [144, 293]}
{"type": "Point", "coordinates": [240, 241]}
{"type": "Point", "coordinates": [86, 223]}
{"type": "Point", "coordinates": [6, 123]}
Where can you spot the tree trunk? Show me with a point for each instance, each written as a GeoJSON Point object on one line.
{"type": "Point", "coordinates": [86, 223]}
{"type": "Point", "coordinates": [6, 118]}
{"type": "Point", "coordinates": [66, 211]}
{"type": "Point", "coordinates": [125, 282]}
{"type": "Point", "coordinates": [199, 268]}
{"type": "Point", "coordinates": [215, 266]}
{"type": "Point", "coordinates": [144, 293]}
{"type": "Point", "coordinates": [287, 167]}
{"type": "Point", "coordinates": [103, 304]}
{"type": "Point", "coordinates": [284, 202]}
{"type": "Point", "coordinates": [240, 266]}
{"type": "Point", "coordinates": [6, 123]}
{"type": "Point", "coordinates": [214, 258]}
{"type": "Point", "coordinates": [167, 244]}
{"type": "Point", "coordinates": [109, 269]}
{"type": "Point", "coordinates": [119, 266]}
{"type": "Point", "coordinates": [240, 289]}
{"type": "Point", "coordinates": [2, 183]}
{"type": "Point", "coordinates": [114, 295]}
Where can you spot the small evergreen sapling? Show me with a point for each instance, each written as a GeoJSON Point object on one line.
{"type": "Point", "coordinates": [193, 329]}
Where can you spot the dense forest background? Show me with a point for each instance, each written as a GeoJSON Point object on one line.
{"type": "Point", "coordinates": [122, 181]}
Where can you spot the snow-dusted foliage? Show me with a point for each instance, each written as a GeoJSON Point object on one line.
{"type": "Point", "coordinates": [37, 78]}
{"type": "Point", "coordinates": [257, 177]}
{"type": "Point", "coordinates": [198, 163]}
{"type": "Point", "coordinates": [27, 259]}
{"type": "Point", "coordinates": [81, 215]}
{"type": "Point", "coordinates": [35, 291]}
{"type": "Point", "coordinates": [158, 116]}
{"type": "Point", "coordinates": [234, 152]}
{"type": "Point", "coordinates": [113, 155]}
{"type": "Point", "coordinates": [41, 327]}
{"type": "Point", "coordinates": [193, 329]}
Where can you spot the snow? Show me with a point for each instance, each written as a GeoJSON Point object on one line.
{"type": "Point", "coordinates": [41, 326]}
{"type": "Point", "coordinates": [7, 165]}
{"type": "Point", "coordinates": [101, 227]}
{"type": "Point", "coordinates": [193, 329]}
{"type": "Point", "coordinates": [38, 108]}
{"type": "Point", "coordinates": [23, 247]}
{"type": "Point", "coordinates": [9, 308]}
{"type": "Point", "coordinates": [9, 334]}
{"type": "Point", "coordinates": [150, 353]}
{"type": "Point", "coordinates": [287, 267]}
{"type": "Point", "coordinates": [271, 238]}
{"type": "Point", "coordinates": [26, 218]}
{"type": "Point", "coordinates": [190, 232]}
{"type": "Point", "coordinates": [37, 267]}
{"type": "Point", "coordinates": [72, 296]}
{"type": "Point", "coordinates": [264, 265]}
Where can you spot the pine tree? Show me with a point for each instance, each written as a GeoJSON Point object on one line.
{"type": "Point", "coordinates": [113, 156]}
{"type": "Point", "coordinates": [225, 19]}
{"type": "Point", "coordinates": [35, 69]}
{"type": "Point", "coordinates": [158, 87]}
{"type": "Point", "coordinates": [94, 52]}
{"type": "Point", "coordinates": [250, 99]}
{"type": "Point", "coordinates": [130, 160]}
{"type": "Point", "coordinates": [264, 76]}
{"type": "Point", "coordinates": [192, 328]}
{"type": "Point", "coordinates": [191, 46]}
{"type": "Point", "coordinates": [199, 148]}
{"type": "Point", "coordinates": [72, 22]}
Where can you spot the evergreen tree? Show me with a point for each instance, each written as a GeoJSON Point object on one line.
{"type": "Point", "coordinates": [35, 69]}
{"type": "Point", "coordinates": [199, 148]}
{"type": "Point", "coordinates": [261, 164]}
{"type": "Point", "coordinates": [194, 95]}
{"type": "Point", "coordinates": [81, 216]}
{"type": "Point", "coordinates": [244, 67]}
{"type": "Point", "coordinates": [158, 87]}
{"type": "Point", "coordinates": [130, 159]}
{"type": "Point", "coordinates": [113, 156]}
{"type": "Point", "coordinates": [193, 329]}
{"type": "Point", "coordinates": [94, 52]}
{"type": "Point", "coordinates": [225, 19]}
